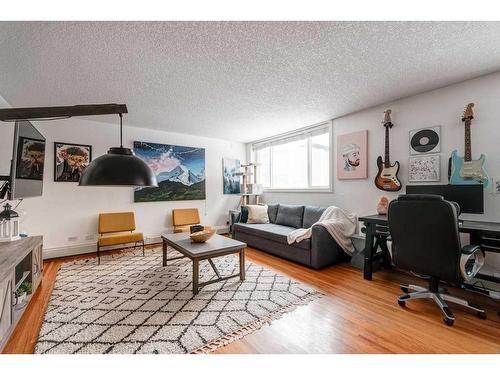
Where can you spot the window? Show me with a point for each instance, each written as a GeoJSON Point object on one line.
{"type": "Point", "coordinates": [297, 161]}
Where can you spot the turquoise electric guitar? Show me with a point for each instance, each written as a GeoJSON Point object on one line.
{"type": "Point", "coordinates": [464, 170]}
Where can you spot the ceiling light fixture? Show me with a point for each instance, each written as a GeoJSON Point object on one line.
{"type": "Point", "coordinates": [119, 167]}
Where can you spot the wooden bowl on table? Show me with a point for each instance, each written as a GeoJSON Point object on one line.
{"type": "Point", "coordinates": [203, 235]}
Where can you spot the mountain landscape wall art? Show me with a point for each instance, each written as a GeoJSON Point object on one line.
{"type": "Point", "coordinates": [231, 176]}
{"type": "Point", "coordinates": [180, 172]}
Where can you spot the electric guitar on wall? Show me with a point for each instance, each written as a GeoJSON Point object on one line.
{"type": "Point", "coordinates": [387, 176]}
{"type": "Point", "coordinates": [464, 170]}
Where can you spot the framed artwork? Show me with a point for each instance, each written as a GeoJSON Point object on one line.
{"type": "Point", "coordinates": [70, 160]}
{"type": "Point", "coordinates": [30, 158]}
{"type": "Point", "coordinates": [496, 185]}
{"type": "Point", "coordinates": [425, 140]}
{"type": "Point", "coordinates": [424, 168]}
{"type": "Point", "coordinates": [179, 170]}
{"type": "Point", "coordinates": [352, 155]}
{"type": "Point", "coordinates": [231, 176]}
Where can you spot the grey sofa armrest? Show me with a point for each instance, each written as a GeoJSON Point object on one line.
{"type": "Point", "coordinates": [234, 218]}
{"type": "Point", "coordinates": [324, 249]}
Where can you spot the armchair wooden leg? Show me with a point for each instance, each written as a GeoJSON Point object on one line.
{"type": "Point", "coordinates": [143, 251]}
{"type": "Point", "coordinates": [98, 254]}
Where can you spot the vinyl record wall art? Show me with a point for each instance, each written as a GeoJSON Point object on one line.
{"type": "Point", "coordinates": [425, 140]}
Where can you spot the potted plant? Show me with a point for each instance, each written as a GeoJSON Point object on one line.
{"type": "Point", "coordinates": [22, 292]}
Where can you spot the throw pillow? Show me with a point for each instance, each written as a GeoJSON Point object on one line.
{"type": "Point", "coordinates": [311, 215]}
{"type": "Point", "coordinates": [272, 211]}
{"type": "Point", "coordinates": [290, 215]}
{"type": "Point", "coordinates": [257, 214]}
{"type": "Point", "coordinates": [244, 214]}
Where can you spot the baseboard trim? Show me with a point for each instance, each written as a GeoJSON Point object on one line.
{"type": "Point", "coordinates": [88, 248]}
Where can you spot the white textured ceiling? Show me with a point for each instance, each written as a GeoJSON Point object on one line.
{"type": "Point", "coordinates": [237, 80]}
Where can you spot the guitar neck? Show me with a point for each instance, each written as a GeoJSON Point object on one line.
{"type": "Point", "coordinates": [468, 148]}
{"type": "Point", "coordinates": [387, 161]}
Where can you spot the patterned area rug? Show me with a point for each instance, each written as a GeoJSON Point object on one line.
{"type": "Point", "coordinates": [131, 304]}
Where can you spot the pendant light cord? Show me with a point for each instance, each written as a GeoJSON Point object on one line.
{"type": "Point", "coordinates": [121, 130]}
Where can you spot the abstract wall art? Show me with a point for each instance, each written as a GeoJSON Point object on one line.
{"type": "Point", "coordinates": [424, 168]}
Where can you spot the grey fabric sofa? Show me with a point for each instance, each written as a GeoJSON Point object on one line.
{"type": "Point", "coordinates": [319, 251]}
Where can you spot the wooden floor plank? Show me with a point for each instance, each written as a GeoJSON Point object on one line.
{"type": "Point", "coordinates": [355, 316]}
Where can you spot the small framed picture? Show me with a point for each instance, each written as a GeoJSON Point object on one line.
{"type": "Point", "coordinates": [30, 158]}
{"type": "Point", "coordinates": [425, 140]}
{"type": "Point", "coordinates": [230, 175]}
{"type": "Point", "coordinates": [496, 185]}
{"type": "Point", "coordinates": [352, 155]}
{"type": "Point", "coordinates": [424, 168]}
{"type": "Point", "coordinates": [70, 160]}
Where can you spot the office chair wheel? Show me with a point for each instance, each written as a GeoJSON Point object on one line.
{"type": "Point", "coordinates": [481, 315]}
{"type": "Point", "coordinates": [402, 303]}
{"type": "Point", "coordinates": [404, 289]}
{"type": "Point", "coordinates": [449, 322]}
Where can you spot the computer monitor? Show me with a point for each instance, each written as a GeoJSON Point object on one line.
{"type": "Point", "coordinates": [470, 198]}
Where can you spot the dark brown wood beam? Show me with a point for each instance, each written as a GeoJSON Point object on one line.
{"type": "Point", "coordinates": [10, 114]}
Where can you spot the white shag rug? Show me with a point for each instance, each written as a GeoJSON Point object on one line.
{"type": "Point", "coordinates": [131, 304]}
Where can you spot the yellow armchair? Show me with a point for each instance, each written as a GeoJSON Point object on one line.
{"type": "Point", "coordinates": [184, 218]}
{"type": "Point", "coordinates": [117, 228]}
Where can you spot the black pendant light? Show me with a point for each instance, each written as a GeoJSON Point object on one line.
{"type": "Point", "coordinates": [119, 167]}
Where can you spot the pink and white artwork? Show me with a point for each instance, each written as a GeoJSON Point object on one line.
{"type": "Point", "coordinates": [352, 155]}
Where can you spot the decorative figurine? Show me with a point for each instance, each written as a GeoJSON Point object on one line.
{"type": "Point", "coordinates": [383, 205]}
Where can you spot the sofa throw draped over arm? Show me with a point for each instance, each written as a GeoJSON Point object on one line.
{"type": "Point", "coordinates": [340, 224]}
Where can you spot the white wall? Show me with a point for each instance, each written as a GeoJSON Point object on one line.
{"type": "Point", "coordinates": [439, 107]}
{"type": "Point", "coordinates": [67, 210]}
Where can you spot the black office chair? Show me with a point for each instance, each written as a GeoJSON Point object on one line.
{"type": "Point", "coordinates": [426, 241]}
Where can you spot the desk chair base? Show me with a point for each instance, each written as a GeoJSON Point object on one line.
{"type": "Point", "coordinates": [439, 298]}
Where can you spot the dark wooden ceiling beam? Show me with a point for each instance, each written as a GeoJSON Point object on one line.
{"type": "Point", "coordinates": [10, 114]}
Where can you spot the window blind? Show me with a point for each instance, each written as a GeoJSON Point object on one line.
{"type": "Point", "coordinates": [293, 136]}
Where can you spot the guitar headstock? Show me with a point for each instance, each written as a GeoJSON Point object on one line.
{"type": "Point", "coordinates": [468, 112]}
{"type": "Point", "coordinates": [387, 118]}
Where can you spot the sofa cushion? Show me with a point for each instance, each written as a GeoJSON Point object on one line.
{"type": "Point", "coordinates": [244, 214]}
{"type": "Point", "coordinates": [257, 214]}
{"type": "Point", "coordinates": [271, 232]}
{"type": "Point", "coordinates": [272, 212]}
{"type": "Point", "coordinates": [120, 239]}
{"type": "Point", "coordinates": [290, 215]}
{"type": "Point", "coordinates": [311, 215]}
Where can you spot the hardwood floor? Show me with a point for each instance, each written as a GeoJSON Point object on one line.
{"type": "Point", "coordinates": [355, 316]}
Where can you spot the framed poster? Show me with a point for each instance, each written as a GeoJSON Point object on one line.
{"type": "Point", "coordinates": [425, 140]}
{"type": "Point", "coordinates": [352, 155]}
{"type": "Point", "coordinates": [424, 168]}
{"type": "Point", "coordinates": [70, 160]}
{"type": "Point", "coordinates": [231, 176]}
{"type": "Point", "coordinates": [179, 170]}
{"type": "Point", "coordinates": [30, 158]}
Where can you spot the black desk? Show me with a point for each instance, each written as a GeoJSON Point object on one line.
{"type": "Point", "coordinates": [485, 234]}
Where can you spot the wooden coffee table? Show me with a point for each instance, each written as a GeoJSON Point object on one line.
{"type": "Point", "coordinates": [215, 247]}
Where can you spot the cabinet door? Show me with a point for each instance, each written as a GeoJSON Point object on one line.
{"type": "Point", "coordinates": [37, 269]}
{"type": "Point", "coordinates": [5, 306]}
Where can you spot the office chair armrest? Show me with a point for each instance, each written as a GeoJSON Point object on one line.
{"type": "Point", "coordinates": [470, 249]}
{"type": "Point", "coordinates": [471, 261]}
